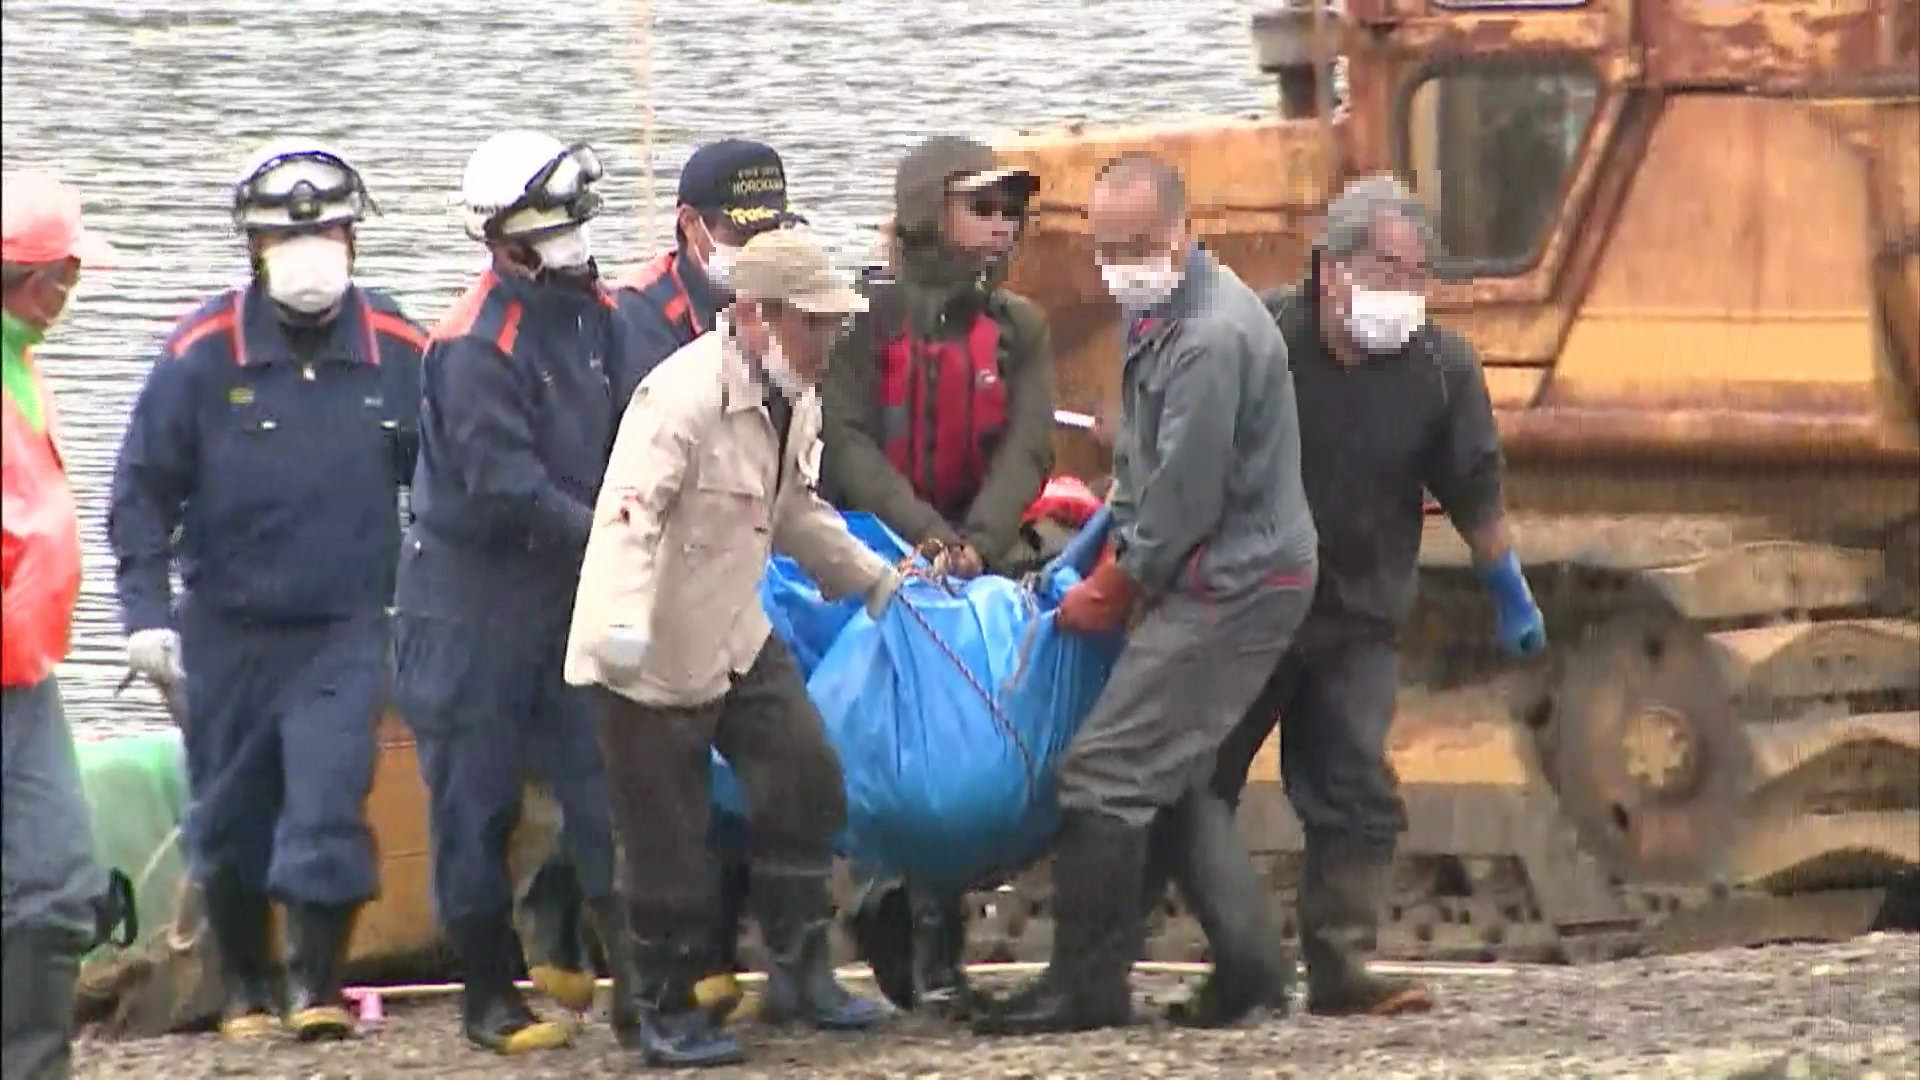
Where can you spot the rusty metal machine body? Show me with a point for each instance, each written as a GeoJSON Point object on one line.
{"type": "Point", "coordinates": [1685, 237]}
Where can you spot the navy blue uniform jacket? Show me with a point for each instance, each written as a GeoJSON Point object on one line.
{"type": "Point", "coordinates": [516, 424]}
{"type": "Point", "coordinates": [278, 453]}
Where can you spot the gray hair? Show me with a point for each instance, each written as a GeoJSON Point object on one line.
{"type": "Point", "coordinates": [1352, 216]}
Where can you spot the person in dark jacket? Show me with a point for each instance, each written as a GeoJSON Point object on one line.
{"type": "Point", "coordinates": [730, 192]}
{"type": "Point", "coordinates": [1214, 555]}
{"type": "Point", "coordinates": [939, 403]}
{"type": "Point", "coordinates": [1391, 406]}
{"type": "Point", "coordinates": [275, 432]}
{"type": "Point", "coordinates": [517, 421]}
{"type": "Point", "coordinates": [939, 421]}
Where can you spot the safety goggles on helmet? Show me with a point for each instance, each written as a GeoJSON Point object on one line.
{"type": "Point", "coordinates": [556, 188]}
{"type": "Point", "coordinates": [326, 192]}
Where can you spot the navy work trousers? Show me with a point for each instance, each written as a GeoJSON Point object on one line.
{"type": "Point", "coordinates": [281, 743]}
{"type": "Point", "coordinates": [490, 710]}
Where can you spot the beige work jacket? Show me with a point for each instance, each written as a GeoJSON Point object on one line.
{"type": "Point", "coordinates": [696, 496]}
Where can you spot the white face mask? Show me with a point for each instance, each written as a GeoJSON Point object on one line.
{"type": "Point", "coordinates": [780, 373]}
{"type": "Point", "coordinates": [307, 273]}
{"type": "Point", "coordinates": [1139, 286]}
{"type": "Point", "coordinates": [564, 251]}
{"type": "Point", "coordinates": [719, 264]}
{"type": "Point", "coordinates": [1384, 320]}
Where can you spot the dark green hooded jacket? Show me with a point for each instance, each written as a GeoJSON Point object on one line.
{"type": "Point", "coordinates": [935, 296]}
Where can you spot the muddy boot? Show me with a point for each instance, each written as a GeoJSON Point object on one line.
{"type": "Point", "coordinates": [1340, 898]}
{"type": "Point", "coordinates": [1098, 869]}
{"type": "Point", "coordinates": [882, 927]}
{"type": "Point", "coordinates": [1252, 970]}
{"type": "Point", "coordinates": [795, 914]}
{"type": "Point", "coordinates": [939, 950]}
{"type": "Point", "coordinates": [550, 916]}
{"type": "Point", "coordinates": [669, 1029]}
{"type": "Point", "coordinates": [36, 997]}
{"type": "Point", "coordinates": [492, 1013]}
{"type": "Point", "coordinates": [318, 935]}
{"type": "Point", "coordinates": [616, 941]}
{"type": "Point", "coordinates": [242, 927]}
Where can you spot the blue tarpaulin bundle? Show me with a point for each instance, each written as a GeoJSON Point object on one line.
{"type": "Point", "coordinates": [804, 619]}
{"type": "Point", "coordinates": [949, 713]}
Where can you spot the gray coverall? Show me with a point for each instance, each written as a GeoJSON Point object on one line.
{"type": "Point", "coordinates": [1212, 523]}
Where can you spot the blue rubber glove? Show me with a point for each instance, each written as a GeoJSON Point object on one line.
{"type": "Point", "coordinates": [1522, 630]}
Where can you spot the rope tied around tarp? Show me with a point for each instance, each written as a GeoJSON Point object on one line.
{"type": "Point", "coordinates": [930, 563]}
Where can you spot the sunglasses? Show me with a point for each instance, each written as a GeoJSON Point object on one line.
{"type": "Point", "coordinates": [997, 206]}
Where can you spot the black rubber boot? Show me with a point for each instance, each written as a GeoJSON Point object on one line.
{"type": "Point", "coordinates": [609, 917]}
{"type": "Point", "coordinates": [670, 1029]}
{"type": "Point", "coordinates": [318, 936]}
{"type": "Point", "coordinates": [492, 1013]}
{"type": "Point", "coordinates": [250, 978]}
{"type": "Point", "coordinates": [41, 967]}
{"type": "Point", "coordinates": [550, 920]}
{"type": "Point", "coordinates": [939, 951]}
{"type": "Point", "coordinates": [1252, 970]}
{"type": "Point", "coordinates": [1098, 871]}
{"type": "Point", "coordinates": [795, 914]}
{"type": "Point", "coordinates": [1340, 898]}
{"type": "Point", "coordinates": [882, 927]}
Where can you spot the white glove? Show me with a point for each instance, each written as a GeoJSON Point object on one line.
{"type": "Point", "coordinates": [621, 652]}
{"type": "Point", "coordinates": [155, 654]}
{"type": "Point", "coordinates": [882, 592]}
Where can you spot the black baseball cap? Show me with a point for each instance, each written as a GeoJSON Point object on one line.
{"type": "Point", "coordinates": [742, 181]}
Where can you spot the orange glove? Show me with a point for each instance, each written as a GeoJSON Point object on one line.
{"type": "Point", "coordinates": [1101, 603]}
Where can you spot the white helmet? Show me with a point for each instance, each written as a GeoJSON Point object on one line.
{"type": "Point", "coordinates": [525, 184]}
{"type": "Point", "coordinates": [297, 184]}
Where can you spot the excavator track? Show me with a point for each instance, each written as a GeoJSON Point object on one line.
{"type": "Point", "coordinates": [1722, 748]}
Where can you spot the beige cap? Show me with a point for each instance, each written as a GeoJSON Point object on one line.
{"type": "Point", "coordinates": [790, 266]}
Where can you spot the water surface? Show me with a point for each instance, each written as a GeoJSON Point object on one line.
{"type": "Point", "coordinates": [149, 105]}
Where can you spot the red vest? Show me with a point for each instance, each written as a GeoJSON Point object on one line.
{"type": "Point", "coordinates": [944, 409]}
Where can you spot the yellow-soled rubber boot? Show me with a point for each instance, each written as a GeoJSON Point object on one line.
{"type": "Point", "coordinates": [241, 921]}
{"type": "Point", "coordinates": [493, 1015]}
{"type": "Point", "coordinates": [317, 1011]}
{"type": "Point", "coordinates": [551, 929]}
{"type": "Point", "coordinates": [722, 999]}
{"type": "Point", "coordinates": [571, 990]}
{"type": "Point", "coordinates": [250, 1026]}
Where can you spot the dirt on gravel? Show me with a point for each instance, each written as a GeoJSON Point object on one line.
{"type": "Point", "coordinates": [1827, 1012]}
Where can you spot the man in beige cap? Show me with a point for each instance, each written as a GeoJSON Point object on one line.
{"type": "Point", "coordinates": [54, 887]}
{"type": "Point", "coordinates": [715, 466]}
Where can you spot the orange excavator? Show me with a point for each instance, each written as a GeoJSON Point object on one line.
{"type": "Point", "coordinates": [1685, 237]}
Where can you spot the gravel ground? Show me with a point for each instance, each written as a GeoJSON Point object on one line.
{"type": "Point", "coordinates": [1815, 1012]}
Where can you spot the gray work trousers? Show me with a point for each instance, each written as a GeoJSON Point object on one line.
{"type": "Point", "coordinates": [1188, 672]}
{"type": "Point", "coordinates": [51, 876]}
{"type": "Point", "coordinates": [1333, 698]}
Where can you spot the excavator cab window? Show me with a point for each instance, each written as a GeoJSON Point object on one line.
{"type": "Point", "coordinates": [1490, 146]}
